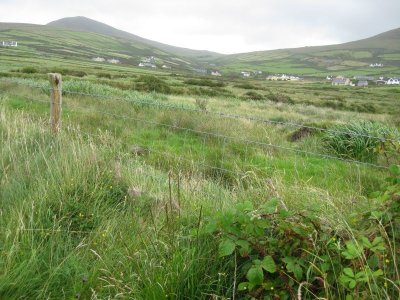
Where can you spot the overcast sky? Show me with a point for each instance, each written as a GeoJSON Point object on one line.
{"type": "Point", "coordinates": [225, 26]}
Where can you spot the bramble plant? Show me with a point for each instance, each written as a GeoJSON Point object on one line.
{"type": "Point", "coordinates": [284, 255]}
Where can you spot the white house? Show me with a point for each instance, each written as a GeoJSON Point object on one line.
{"type": "Point", "coordinates": [9, 44]}
{"type": "Point", "coordinates": [245, 74]}
{"type": "Point", "coordinates": [99, 59]}
{"type": "Point", "coordinates": [215, 73]}
{"type": "Point", "coordinates": [147, 65]}
{"type": "Point", "coordinates": [393, 81]}
{"type": "Point", "coordinates": [113, 61]}
{"type": "Point", "coordinates": [376, 65]}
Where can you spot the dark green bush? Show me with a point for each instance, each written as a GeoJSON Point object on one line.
{"type": "Point", "coordinates": [280, 98]}
{"type": "Point", "coordinates": [29, 70]}
{"type": "Point", "coordinates": [357, 140]}
{"type": "Point", "coordinates": [149, 83]}
{"type": "Point", "coordinates": [104, 75]}
{"type": "Point", "coordinates": [205, 82]}
{"type": "Point", "coordinates": [246, 86]}
{"type": "Point", "coordinates": [251, 95]}
{"type": "Point", "coordinates": [278, 254]}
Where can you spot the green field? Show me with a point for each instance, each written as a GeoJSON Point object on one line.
{"type": "Point", "coordinates": [168, 185]}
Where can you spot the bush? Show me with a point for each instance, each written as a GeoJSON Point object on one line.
{"type": "Point", "coordinates": [253, 96]}
{"type": "Point", "coordinates": [29, 70]}
{"type": "Point", "coordinates": [356, 140]}
{"type": "Point", "coordinates": [104, 75]}
{"type": "Point", "coordinates": [149, 83]}
{"type": "Point", "coordinates": [246, 86]}
{"type": "Point", "coordinates": [280, 98]}
{"type": "Point", "coordinates": [279, 254]}
{"type": "Point", "coordinates": [205, 82]}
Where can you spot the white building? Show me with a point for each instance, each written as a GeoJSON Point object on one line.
{"type": "Point", "coordinates": [9, 44]}
{"type": "Point", "coordinates": [113, 61]}
{"type": "Point", "coordinates": [376, 65]}
{"type": "Point", "coordinates": [147, 65]}
{"type": "Point", "coordinates": [99, 59]}
{"type": "Point", "coordinates": [245, 74]}
{"type": "Point", "coordinates": [393, 81]}
{"type": "Point", "coordinates": [215, 73]}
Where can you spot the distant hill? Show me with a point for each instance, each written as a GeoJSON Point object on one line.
{"type": "Point", "coordinates": [81, 39]}
{"type": "Point", "coordinates": [89, 25]}
{"type": "Point", "coordinates": [344, 58]}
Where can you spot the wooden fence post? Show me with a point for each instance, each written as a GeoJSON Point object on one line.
{"type": "Point", "coordinates": [55, 102]}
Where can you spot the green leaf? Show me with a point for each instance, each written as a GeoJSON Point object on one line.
{"type": "Point", "coordinates": [377, 273]}
{"type": "Point", "coordinates": [271, 206]}
{"type": "Point", "coordinates": [268, 264]}
{"type": "Point", "coordinates": [349, 272]}
{"type": "Point", "coordinates": [349, 297]}
{"type": "Point", "coordinates": [244, 246]}
{"type": "Point", "coordinates": [352, 284]}
{"type": "Point", "coordinates": [395, 170]}
{"type": "Point", "coordinates": [361, 277]}
{"type": "Point", "coordinates": [298, 272]}
{"type": "Point", "coordinates": [226, 247]}
{"type": "Point", "coordinates": [243, 286]}
{"type": "Point", "coordinates": [352, 251]}
{"type": "Point", "coordinates": [255, 275]}
{"type": "Point", "coordinates": [244, 206]}
{"type": "Point", "coordinates": [211, 227]}
{"type": "Point", "coordinates": [366, 242]}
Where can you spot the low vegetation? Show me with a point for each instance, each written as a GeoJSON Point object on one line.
{"type": "Point", "coordinates": [150, 193]}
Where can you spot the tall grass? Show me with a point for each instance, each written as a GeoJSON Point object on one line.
{"type": "Point", "coordinates": [359, 140]}
{"type": "Point", "coordinates": [82, 217]}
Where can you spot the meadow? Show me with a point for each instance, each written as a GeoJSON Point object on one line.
{"type": "Point", "coordinates": [171, 186]}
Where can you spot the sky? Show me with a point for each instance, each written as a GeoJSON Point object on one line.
{"type": "Point", "coordinates": [224, 26]}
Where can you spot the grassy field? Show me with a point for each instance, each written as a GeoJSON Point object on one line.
{"type": "Point", "coordinates": [120, 204]}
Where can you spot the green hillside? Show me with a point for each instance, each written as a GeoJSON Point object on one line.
{"type": "Point", "coordinates": [37, 43]}
{"type": "Point", "coordinates": [348, 58]}
{"type": "Point", "coordinates": [78, 40]}
{"type": "Point", "coordinates": [88, 25]}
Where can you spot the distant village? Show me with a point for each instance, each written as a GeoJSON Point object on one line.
{"type": "Point", "coordinates": [362, 81]}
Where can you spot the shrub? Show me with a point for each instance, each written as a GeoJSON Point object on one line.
{"type": "Point", "coordinates": [280, 98]}
{"type": "Point", "coordinates": [29, 70]}
{"type": "Point", "coordinates": [104, 75]}
{"type": "Point", "coordinates": [284, 255]}
{"type": "Point", "coordinates": [246, 86]}
{"type": "Point", "coordinates": [357, 140]}
{"type": "Point", "coordinates": [251, 95]}
{"type": "Point", "coordinates": [151, 83]}
{"type": "Point", "coordinates": [205, 82]}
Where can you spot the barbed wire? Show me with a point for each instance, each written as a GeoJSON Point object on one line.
{"type": "Point", "coordinates": [176, 157]}
{"type": "Point", "coordinates": [218, 135]}
{"type": "Point", "coordinates": [215, 113]}
{"type": "Point", "coordinates": [246, 141]}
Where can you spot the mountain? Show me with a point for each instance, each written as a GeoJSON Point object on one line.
{"type": "Point", "coordinates": [344, 58]}
{"type": "Point", "coordinates": [79, 39]}
{"type": "Point", "coordinates": [89, 25]}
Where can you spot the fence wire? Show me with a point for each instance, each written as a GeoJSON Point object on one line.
{"type": "Point", "coordinates": [215, 113]}
{"type": "Point", "coordinates": [216, 135]}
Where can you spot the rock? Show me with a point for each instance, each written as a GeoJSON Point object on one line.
{"type": "Point", "coordinates": [138, 150]}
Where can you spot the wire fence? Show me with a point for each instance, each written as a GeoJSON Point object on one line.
{"type": "Point", "coordinates": [203, 111]}
{"type": "Point", "coordinates": [217, 135]}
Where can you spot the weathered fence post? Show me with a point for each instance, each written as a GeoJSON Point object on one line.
{"type": "Point", "coordinates": [55, 100]}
